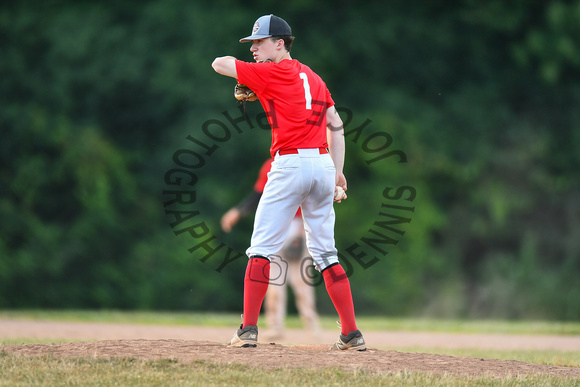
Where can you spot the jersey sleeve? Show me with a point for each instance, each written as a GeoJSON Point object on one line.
{"type": "Point", "coordinates": [253, 75]}
{"type": "Point", "coordinates": [329, 100]}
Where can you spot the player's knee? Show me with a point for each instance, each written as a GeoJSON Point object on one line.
{"type": "Point", "coordinates": [324, 262]}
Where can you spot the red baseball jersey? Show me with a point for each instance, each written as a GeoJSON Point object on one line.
{"type": "Point", "coordinates": [295, 100]}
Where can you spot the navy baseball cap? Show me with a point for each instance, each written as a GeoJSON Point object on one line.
{"type": "Point", "coordinates": [266, 26]}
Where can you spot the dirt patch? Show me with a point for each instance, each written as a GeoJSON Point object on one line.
{"type": "Point", "coordinates": [153, 342]}
{"type": "Point", "coordinates": [273, 356]}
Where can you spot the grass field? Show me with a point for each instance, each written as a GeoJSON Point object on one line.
{"type": "Point", "coordinates": [48, 370]}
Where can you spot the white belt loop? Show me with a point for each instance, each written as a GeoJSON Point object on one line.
{"type": "Point", "coordinates": [312, 152]}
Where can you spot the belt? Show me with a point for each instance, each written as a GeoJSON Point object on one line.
{"type": "Point", "coordinates": [282, 152]}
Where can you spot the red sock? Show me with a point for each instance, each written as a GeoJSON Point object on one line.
{"type": "Point", "coordinates": [255, 286]}
{"type": "Point", "coordinates": [338, 288]}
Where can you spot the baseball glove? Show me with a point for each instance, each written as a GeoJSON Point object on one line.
{"type": "Point", "coordinates": [244, 94]}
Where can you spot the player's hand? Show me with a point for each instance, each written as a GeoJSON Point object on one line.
{"type": "Point", "coordinates": [339, 194]}
{"type": "Point", "coordinates": [229, 219]}
{"type": "Point", "coordinates": [340, 189]}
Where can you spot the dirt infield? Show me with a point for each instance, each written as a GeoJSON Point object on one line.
{"type": "Point", "coordinates": [187, 344]}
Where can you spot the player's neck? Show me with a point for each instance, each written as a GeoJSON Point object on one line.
{"type": "Point", "coordinates": [286, 55]}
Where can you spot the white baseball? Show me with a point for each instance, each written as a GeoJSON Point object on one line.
{"type": "Point", "coordinates": [339, 194]}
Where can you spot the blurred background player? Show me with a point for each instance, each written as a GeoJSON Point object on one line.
{"type": "Point", "coordinates": [294, 253]}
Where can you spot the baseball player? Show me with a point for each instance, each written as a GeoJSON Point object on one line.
{"type": "Point", "coordinates": [305, 174]}
{"type": "Point", "coordinates": [293, 253]}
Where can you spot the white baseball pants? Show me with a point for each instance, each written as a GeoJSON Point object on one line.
{"type": "Point", "coordinates": [305, 180]}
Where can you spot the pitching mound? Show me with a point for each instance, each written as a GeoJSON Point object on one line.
{"type": "Point", "coordinates": [275, 356]}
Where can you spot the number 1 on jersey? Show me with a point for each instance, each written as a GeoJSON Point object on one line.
{"type": "Point", "coordinates": [307, 94]}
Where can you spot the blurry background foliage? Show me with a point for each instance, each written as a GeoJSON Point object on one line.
{"type": "Point", "coordinates": [482, 97]}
